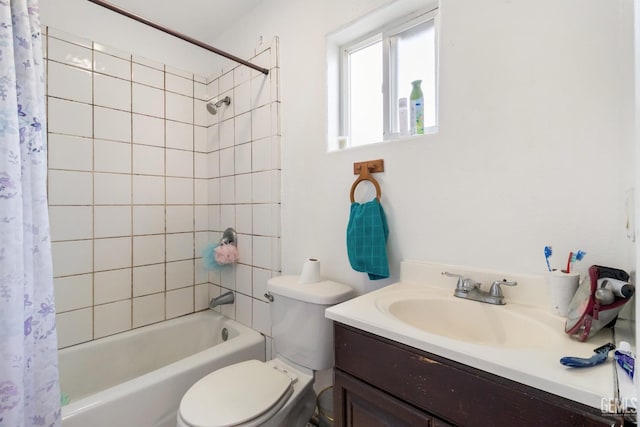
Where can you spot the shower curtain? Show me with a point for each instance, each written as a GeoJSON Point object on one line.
{"type": "Point", "coordinates": [29, 391]}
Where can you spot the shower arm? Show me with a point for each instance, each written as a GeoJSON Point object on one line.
{"type": "Point", "coordinates": [181, 36]}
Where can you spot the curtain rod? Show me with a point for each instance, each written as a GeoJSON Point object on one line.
{"type": "Point", "coordinates": [178, 35]}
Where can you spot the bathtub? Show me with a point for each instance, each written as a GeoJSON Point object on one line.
{"type": "Point", "coordinates": [137, 378]}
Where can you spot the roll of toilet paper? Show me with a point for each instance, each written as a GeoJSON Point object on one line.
{"type": "Point", "coordinates": [310, 271]}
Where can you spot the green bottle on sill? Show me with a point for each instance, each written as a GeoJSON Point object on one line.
{"type": "Point", "coordinates": [416, 108]}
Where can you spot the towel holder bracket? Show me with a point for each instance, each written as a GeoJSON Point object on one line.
{"type": "Point", "coordinates": [373, 166]}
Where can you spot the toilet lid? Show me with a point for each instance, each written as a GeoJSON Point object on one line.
{"type": "Point", "coordinates": [233, 395]}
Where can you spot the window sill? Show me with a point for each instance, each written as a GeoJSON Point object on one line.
{"type": "Point", "coordinates": [428, 134]}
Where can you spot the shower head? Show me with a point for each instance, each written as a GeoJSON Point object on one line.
{"type": "Point", "coordinates": [213, 107]}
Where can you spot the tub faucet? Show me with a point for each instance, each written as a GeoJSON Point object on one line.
{"type": "Point", "coordinates": [470, 289]}
{"type": "Point", "coordinates": [226, 298]}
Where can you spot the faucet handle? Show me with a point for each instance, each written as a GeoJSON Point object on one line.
{"type": "Point", "coordinates": [496, 290]}
{"type": "Point", "coordinates": [463, 284]}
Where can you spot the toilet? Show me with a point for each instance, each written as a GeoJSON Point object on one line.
{"type": "Point", "coordinates": [278, 392]}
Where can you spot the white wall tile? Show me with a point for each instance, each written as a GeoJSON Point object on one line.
{"type": "Point", "coordinates": [148, 130]}
{"type": "Point", "coordinates": [261, 122]}
{"type": "Point", "coordinates": [108, 50]}
{"type": "Point", "coordinates": [111, 65]}
{"type": "Point", "coordinates": [241, 74]}
{"type": "Point", "coordinates": [70, 118]}
{"type": "Point", "coordinates": [179, 85]}
{"type": "Point", "coordinates": [261, 318]}
{"type": "Point", "coordinates": [214, 218]}
{"type": "Point", "coordinates": [69, 82]}
{"type": "Point", "coordinates": [260, 279]}
{"type": "Point", "coordinates": [260, 91]}
{"type": "Point", "coordinates": [213, 164]}
{"type": "Point", "coordinates": [266, 186]}
{"type": "Point", "coordinates": [227, 216]}
{"type": "Point", "coordinates": [70, 188]}
{"type": "Point", "coordinates": [70, 152]}
{"type": "Point", "coordinates": [147, 76]}
{"type": "Point", "coordinates": [228, 277]}
{"type": "Point", "coordinates": [225, 82]}
{"type": "Point", "coordinates": [112, 221]}
{"type": "Point", "coordinates": [213, 191]}
{"type": "Point", "coordinates": [68, 37]}
{"type": "Point", "coordinates": [265, 154]}
{"type": "Point", "coordinates": [201, 241]}
{"type": "Point", "coordinates": [225, 112]}
{"type": "Point", "coordinates": [74, 327]}
{"type": "Point", "coordinates": [179, 219]}
{"type": "Point", "coordinates": [112, 124]}
{"type": "Point", "coordinates": [244, 308]}
{"type": "Point", "coordinates": [266, 219]}
{"type": "Point", "coordinates": [179, 191]}
{"type": "Point", "coordinates": [179, 246]}
{"type": "Point", "coordinates": [112, 318]}
{"type": "Point", "coordinates": [200, 191]}
{"type": "Point", "coordinates": [200, 165]}
{"type": "Point", "coordinates": [179, 274]}
{"type": "Point", "coordinates": [201, 219]}
{"type": "Point", "coordinates": [179, 135]}
{"type": "Point", "coordinates": [243, 158]}
{"type": "Point", "coordinates": [112, 189]}
{"type": "Point", "coordinates": [226, 136]}
{"type": "Point", "coordinates": [73, 257]}
{"type": "Point", "coordinates": [148, 309]}
{"type": "Point", "coordinates": [148, 160]}
{"type": "Point", "coordinates": [200, 90]}
{"type": "Point", "coordinates": [227, 190]}
{"type": "Point", "coordinates": [179, 163]}
{"type": "Point", "coordinates": [212, 88]}
{"type": "Point", "coordinates": [245, 248]}
{"type": "Point", "coordinates": [111, 92]}
{"type": "Point", "coordinates": [243, 219]}
{"type": "Point", "coordinates": [112, 253]}
{"type": "Point", "coordinates": [227, 162]}
{"type": "Point", "coordinates": [148, 190]}
{"type": "Point", "coordinates": [71, 222]}
{"type": "Point", "coordinates": [243, 279]}
{"type": "Point", "coordinates": [200, 139]}
{"type": "Point", "coordinates": [148, 100]}
{"type": "Point", "coordinates": [113, 285]}
{"type": "Point", "coordinates": [111, 156]}
{"type": "Point", "coordinates": [148, 279]}
{"type": "Point", "coordinates": [148, 220]}
{"type": "Point", "coordinates": [262, 252]}
{"type": "Point", "coordinates": [68, 53]}
{"type": "Point", "coordinates": [179, 72]}
{"type": "Point", "coordinates": [242, 97]}
{"type": "Point", "coordinates": [148, 249]}
{"type": "Point", "coordinates": [213, 138]}
{"type": "Point", "coordinates": [243, 188]}
{"type": "Point", "coordinates": [73, 292]}
{"type": "Point", "coordinates": [179, 107]}
{"type": "Point", "coordinates": [242, 128]}
{"type": "Point", "coordinates": [200, 113]}
{"type": "Point", "coordinates": [179, 302]}
{"type": "Point", "coordinates": [201, 297]}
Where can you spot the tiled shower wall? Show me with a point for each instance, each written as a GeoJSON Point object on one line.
{"type": "Point", "coordinates": [136, 191]}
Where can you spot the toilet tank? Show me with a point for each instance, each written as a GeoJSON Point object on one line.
{"type": "Point", "coordinates": [301, 332]}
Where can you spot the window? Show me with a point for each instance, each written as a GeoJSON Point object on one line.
{"type": "Point", "coordinates": [376, 72]}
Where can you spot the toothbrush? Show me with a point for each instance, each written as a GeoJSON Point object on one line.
{"type": "Point", "coordinates": [573, 257]}
{"type": "Point", "coordinates": [547, 253]}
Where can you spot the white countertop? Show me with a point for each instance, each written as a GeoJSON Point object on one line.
{"type": "Point", "coordinates": [538, 367]}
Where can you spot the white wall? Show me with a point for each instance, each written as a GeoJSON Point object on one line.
{"type": "Point", "coordinates": [535, 144]}
{"type": "Point", "coordinates": [93, 22]}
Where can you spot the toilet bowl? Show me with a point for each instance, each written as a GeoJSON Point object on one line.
{"type": "Point", "coordinates": [279, 392]}
{"type": "Point", "coordinates": [248, 394]}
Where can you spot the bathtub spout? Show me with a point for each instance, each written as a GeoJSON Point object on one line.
{"type": "Point", "coordinates": [226, 298]}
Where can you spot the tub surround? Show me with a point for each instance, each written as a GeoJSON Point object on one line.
{"type": "Point", "coordinates": [535, 367]}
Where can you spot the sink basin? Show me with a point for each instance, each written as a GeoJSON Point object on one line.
{"type": "Point", "coordinates": [475, 322]}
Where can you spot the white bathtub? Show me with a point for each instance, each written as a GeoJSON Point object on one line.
{"type": "Point", "coordinates": [137, 378]}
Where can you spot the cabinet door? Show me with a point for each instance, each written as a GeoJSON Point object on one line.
{"type": "Point", "coordinates": [357, 404]}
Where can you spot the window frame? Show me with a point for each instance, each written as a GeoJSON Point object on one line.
{"type": "Point", "coordinates": [385, 33]}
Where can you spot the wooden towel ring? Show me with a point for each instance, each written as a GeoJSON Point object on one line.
{"type": "Point", "coordinates": [365, 176]}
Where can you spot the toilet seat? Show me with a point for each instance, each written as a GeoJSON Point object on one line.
{"type": "Point", "coordinates": [236, 395]}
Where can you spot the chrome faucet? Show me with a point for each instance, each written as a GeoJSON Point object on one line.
{"type": "Point", "coordinates": [470, 289]}
{"type": "Point", "coordinates": [226, 298]}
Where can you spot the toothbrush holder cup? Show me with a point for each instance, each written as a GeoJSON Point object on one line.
{"type": "Point", "coordinates": [561, 288]}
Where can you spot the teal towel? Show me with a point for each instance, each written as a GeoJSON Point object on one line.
{"type": "Point", "coordinates": [367, 234]}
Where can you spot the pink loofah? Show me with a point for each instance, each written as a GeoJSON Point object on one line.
{"type": "Point", "coordinates": [226, 254]}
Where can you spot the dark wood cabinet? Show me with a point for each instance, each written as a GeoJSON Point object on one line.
{"type": "Point", "coordinates": [379, 382]}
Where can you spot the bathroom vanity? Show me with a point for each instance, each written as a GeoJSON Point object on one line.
{"type": "Point", "coordinates": [411, 354]}
{"type": "Point", "coordinates": [379, 382]}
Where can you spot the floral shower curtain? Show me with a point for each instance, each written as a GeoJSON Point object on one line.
{"type": "Point", "coordinates": [29, 391]}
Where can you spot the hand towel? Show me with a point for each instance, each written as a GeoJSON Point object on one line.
{"type": "Point", "coordinates": [367, 234]}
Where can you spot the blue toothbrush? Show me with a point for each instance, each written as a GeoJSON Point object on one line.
{"type": "Point", "coordinates": [547, 253]}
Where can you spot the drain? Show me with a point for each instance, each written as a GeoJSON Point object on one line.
{"type": "Point", "coordinates": [225, 334]}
